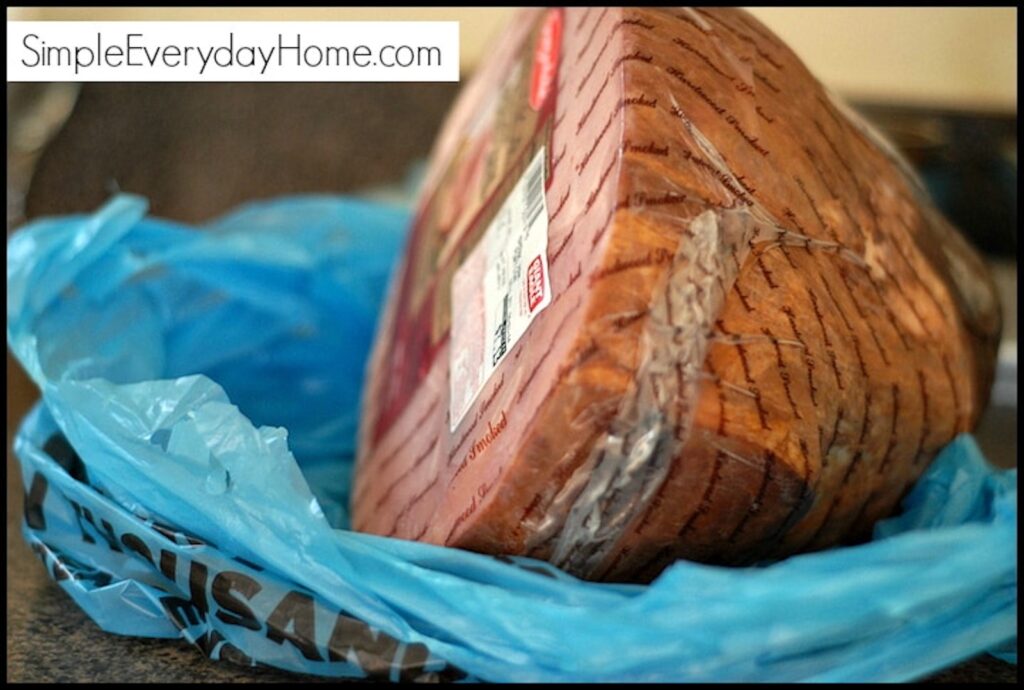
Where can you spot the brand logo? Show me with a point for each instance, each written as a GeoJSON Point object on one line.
{"type": "Point", "coordinates": [535, 283]}
{"type": "Point", "coordinates": [545, 59]}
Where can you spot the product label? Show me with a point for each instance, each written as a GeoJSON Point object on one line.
{"type": "Point", "coordinates": [545, 60]}
{"type": "Point", "coordinates": [499, 289]}
{"type": "Point", "coordinates": [491, 158]}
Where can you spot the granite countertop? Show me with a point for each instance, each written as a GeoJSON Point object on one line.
{"type": "Point", "coordinates": [197, 150]}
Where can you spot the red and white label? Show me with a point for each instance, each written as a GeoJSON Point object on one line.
{"type": "Point", "coordinates": [545, 59]}
{"type": "Point", "coordinates": [535, 283]}
{"type": "Point", "coordinates": [499, 289]}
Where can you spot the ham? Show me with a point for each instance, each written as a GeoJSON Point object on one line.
{"type": "Point", "coordinates": [665, 297]}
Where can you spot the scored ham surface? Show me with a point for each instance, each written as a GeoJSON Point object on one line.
{"type": "Point", "coordinates": [760, 332]}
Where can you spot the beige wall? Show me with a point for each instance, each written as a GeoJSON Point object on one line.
{"type": "Point", "coordinates": [941, 55]}
{"type": "Point", "coordinates": [960, 57]}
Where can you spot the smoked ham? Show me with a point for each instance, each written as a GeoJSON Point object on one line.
{"type": "Point", "coordinates": [664, 297]}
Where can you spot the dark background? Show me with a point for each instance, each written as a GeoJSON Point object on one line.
{"type": "Point", "coordinates": [197, 150]}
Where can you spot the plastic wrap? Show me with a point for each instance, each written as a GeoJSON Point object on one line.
{"type": "Point", "coordinates": [186, 471]}
{"type": "Point", "coordinates": [746, 335]}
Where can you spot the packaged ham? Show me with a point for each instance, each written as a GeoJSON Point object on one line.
{"type": "Point", "coordinates": [664, 297]}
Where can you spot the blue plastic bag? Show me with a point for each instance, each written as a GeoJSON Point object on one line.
{"type": "Point", "coordinates": [186, 475]}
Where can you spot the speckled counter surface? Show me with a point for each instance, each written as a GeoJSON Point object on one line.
{"type": "Point", "coordinates": [196, 151]}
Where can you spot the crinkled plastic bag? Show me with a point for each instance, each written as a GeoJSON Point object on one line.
{"type": "Point", "coordinates": [186, 475]}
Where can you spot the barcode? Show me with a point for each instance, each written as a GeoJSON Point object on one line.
{"type": "Point", "coordinates": [535, 191]}
{"type": "Point", "coordinates": [501, 332]}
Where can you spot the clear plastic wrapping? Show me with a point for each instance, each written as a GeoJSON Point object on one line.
{"type": "Point", "coordinates": [758, 333]}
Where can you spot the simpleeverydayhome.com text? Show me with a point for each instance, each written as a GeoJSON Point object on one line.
{"type": "Point", "coordinates": [290, 51]}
